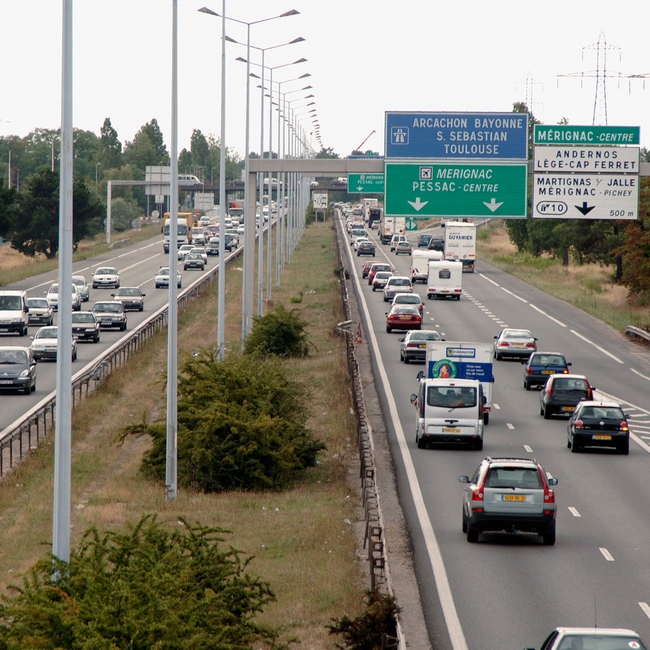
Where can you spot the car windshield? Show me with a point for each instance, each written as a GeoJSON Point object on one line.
{"type": "Point", "coordinates": [108, 307]}
{"type": "Point", "coordinates": [13, 356]}
{"type": "Point", "coordinates": [46, 333]}
{"type": "Point", "coordinates": [380, 267]}
{"type": "Point", "coordinates": [411, 299]}
{"type": "Point", "coordinates": [513, 477]}
{"type": "Point", "coordinates": [399, 282]}
{"type": "Point", "coordinates": [106, 271]}
{"type": "Point", "coordinates": [54, 289]}
{"type": "Point", "coordinates": [404, 309]}
{"type": "Point", "coordinates": [82, 318]}
{"type": "Point", "coordinates": [128, 291]}
{"type": "Point", "coordinates": [38, 303]}
{"type": "Point", "coordinates": [78, 282]}
{"type": "Point", "coordinates": [451, 396]}
{"type": "Point", "coordinates": [600, 642]}
{"type": "Point", "coordinates": [163, 272]}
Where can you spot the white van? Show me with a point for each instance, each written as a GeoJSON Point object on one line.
{"type": "Point", "coordinates": [13, 312]}
{"type": "Point", "coordinates": [420, 264]}
{"type": "Point", "coordinates": [445, 279]}
{"type": "Point", "coordinates": [449, 411]}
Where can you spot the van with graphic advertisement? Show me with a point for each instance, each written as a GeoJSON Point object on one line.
{"type": "Point", "coordinates": [448, 410]}
{"type": "Point", "coordinates": [420, 264]}
{"type": "Point", "coordinates": [445, 279]}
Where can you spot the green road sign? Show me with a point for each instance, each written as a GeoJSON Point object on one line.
{"type": "Point", "coordinates": [567, 134]}
{"type": "Point", "coordinates": [426, 189]}
{"type": "Point", "coordinates": [366, 183]}
{"type": "Point", "coordinates": [411, 225]}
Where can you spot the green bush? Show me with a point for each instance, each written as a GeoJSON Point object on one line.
{"type": "Point", "coordinates": [367, 630]}
{"type": "Point", "coordinates": [148, 588]}
{"type": "Point", "coordinates": [279, 332]}
{"type": "Point", "coordinates": [241, 425]}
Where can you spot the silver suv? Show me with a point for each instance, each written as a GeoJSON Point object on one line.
{"type": "Point", "coordinates": [511, 494]}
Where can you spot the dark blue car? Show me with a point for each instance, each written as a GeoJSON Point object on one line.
{"type": "Point", "coordinates": [541, 365]}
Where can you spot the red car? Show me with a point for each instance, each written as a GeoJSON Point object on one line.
{"type": "Point", "coordinates": [403, 317]}
{"type": "Point", "coordinates": [378, 266]}
{"type": "Point", "coordinates": [366, 268]}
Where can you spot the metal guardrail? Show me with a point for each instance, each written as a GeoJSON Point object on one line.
{"type": "Point", "coordinates": [374, 541]}
{"type": "Point", "coordinates": [637, 333]}
{"type": "Point", "coordinates": [25, 433]}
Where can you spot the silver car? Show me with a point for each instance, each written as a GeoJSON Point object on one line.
{"type": "Point", "coordinates": [413, 347]}
{"type": "Point", "coordinates": [592, 637]}
{"type": "Point", "coordinates": [510, 494]}
{"type": "Point", "coordinates": [106, 276]}
{"type": "Point", "coordinates": [79, 281]}
{"type": "Point", "coordinates": [397, 284]}
{"type": "Point", "coordinates": [517, 343]}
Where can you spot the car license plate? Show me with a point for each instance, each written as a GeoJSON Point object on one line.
{"type": "Point", "coordinates": [568, 409]}
{"type": "Point", "coordinates": [548, 372]}
{"type": "Point", "coordinates": [6, 382]}
{"type": "Point", "coordinates": [518, 345]}
{"type": "Point", "coordinates": [601, 436]}
{"type": "Point", "coordinates": [513, 497]}
{"type": "Point", "coordinates": [76, 336]}
{"type": "Point", "coordinates": [450, 430]}
{"type": "Point", "coordinates": [444, 292]}
{"type": "Point", "coordinates": [4, 329]}
{"type": "Point", "coordinates": [422, 345]}
{"type": "Point", "coordinates": [405, 318]}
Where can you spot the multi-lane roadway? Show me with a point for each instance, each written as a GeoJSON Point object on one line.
{"type": "Point", "coordinates": [509, 591]}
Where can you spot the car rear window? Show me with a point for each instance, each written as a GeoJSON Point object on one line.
{"type": "Point", "coordinates": [451, 396]}
{"type": "Point", "coordinates": [570, 384]}
{"type": "Point", "coordinates": [513, 477]}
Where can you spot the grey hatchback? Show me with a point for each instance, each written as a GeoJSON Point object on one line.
{"type": "Point", "coordinates": [413, 347]}
{"type": "Point", "coordinates": [511, 494]}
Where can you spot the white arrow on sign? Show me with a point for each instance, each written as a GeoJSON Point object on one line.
{"type": "Point", "coordinates": [492, 205]}
{"type": "Point", "coordinates": [417, 204]}
{"type": "Point", "coordinates": [359, 188]}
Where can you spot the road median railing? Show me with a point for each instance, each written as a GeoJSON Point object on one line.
{"type": "Point", "coordinates": [637, 333]}
{"type": "Point", "coordinates": [25, 433]}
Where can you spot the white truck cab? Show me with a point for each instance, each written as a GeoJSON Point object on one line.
{"type": "Point", "coordinates": [420, 264]}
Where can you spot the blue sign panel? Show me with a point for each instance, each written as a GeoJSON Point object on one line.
{"type": "Point", "coordinates": [457, 136]}
{"type": "Point", "coordinates": [454, 368]}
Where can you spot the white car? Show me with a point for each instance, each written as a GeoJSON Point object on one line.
{"type": "Point", "coordinates": [184, 250]}
{"type": "Point", "coordinates": [106, 276]}
{"type": "Point", "coordinates": [44, 344]}
{"type": "Point", "coordinates": [52, 297]}
{"type": "Point", "coordinates": [162, 278]}
{"type": "Point", "coordinates": [396, 284]}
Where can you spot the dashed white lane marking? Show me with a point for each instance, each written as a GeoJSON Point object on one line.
{"type": "Point", "coordinates": [606, 554]}
{"type": "Point", "coordinates": [529, 449]}
{"type": "Point", "coordinates": [645, 608]}
{"type": "Point", "coordinates": [636, 372]}
{"type": "Point", "coordinates": [586, 340]}
{"type": "Point", "coordinates": [555, 320]}
{"type": "Point", "coordinates": [574, 512]}
{"type": "Point", "coordinates": [510, 426]}
{"type": "Point", "coordinates": [496, 406]}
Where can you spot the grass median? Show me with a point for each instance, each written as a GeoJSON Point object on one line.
{"type": "Point", "coordinates": [304, 540]}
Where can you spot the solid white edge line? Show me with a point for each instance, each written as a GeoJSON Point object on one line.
{"type": "Point", "coordinates": [574, 512]}
{"type": "Point", "coordinates": [496, 284]}
{"type": "Point", "coordinates": [636, 372]}
{"type": "Point", "coordinates": [586, 340]}
{"type": "Point", "coordinates": [555, 320]}
{"type": "Point", "coordinates": [449, 611]}
{"type": "Point", "coordinates": [514, 295]}
{"type": "Point", "coordinates": [606, 554]}
{"type": "Point", "coordinates": [634, 437]}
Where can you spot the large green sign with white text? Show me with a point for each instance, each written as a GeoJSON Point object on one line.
{"type": "Point", "coordinates": [366, 183]}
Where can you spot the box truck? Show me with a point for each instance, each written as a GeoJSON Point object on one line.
{"type": "Point", "coordinates": [463, 360]}
{"type": "Point", "coordinates": [460, 243]}
{"type": "Point", "coordinates": [420, 264]}
{"type": "Point", "coordinates": [390, 226]}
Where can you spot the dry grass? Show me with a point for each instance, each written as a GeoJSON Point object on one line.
{"type": "Point", "coordinates": [589, 287]}
{"type": "Point", "coordinates": [303, 540]}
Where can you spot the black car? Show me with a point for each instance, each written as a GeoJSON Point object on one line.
{"type": "Point", "coordinates": [17, 369]}
{"type": "Point", "coordinates": [562, 393]}
{"type": "Point", "coordinates": [436, 244]}
{"type": "Point", "coordinates": [110, 314]}
{"type": "Point", "coordinates": [131, 297]}
{"type": "Point", "coordinates": [423, 240]}
{"type": "Point", "coordinates": [85, 326]}
{"type": "Point", "coordinates": [542, 364]}
{"type": "Point", "coordinates": [366, 248]}
{"type": "Point", "coordinates": [598, 424]}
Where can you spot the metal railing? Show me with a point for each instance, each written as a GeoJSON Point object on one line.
{"type": "Point", "coordinates": [25, 433]}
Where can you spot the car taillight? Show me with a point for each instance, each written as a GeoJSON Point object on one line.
{"type": "Point", "coordinates": [504, 344]}
{"type": "Point", "coordinates": [623, 426]}
{"type": "Point", "coordinates": [565, 371]}
{"type": "Point", "coordinates": [530, 345]}
{"type": "Point", "coordinates": [477, 498]}
{"type": "Point", "coordinates": [549, 388]}
{"type": "Point", "coordinates": [549, 495]}
{"type": "Point", "coordinates": [579, 424]}
{"type": "Point", "coordinates": [530, 371]}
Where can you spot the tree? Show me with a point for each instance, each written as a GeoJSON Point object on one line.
{"type": "Point", "coordinates": [110, 148]}
{"type": "Point", "coordinates": [147, 588]}
{"type": "Point", "coordinates": [326, 153]}
{"type": "Point", "coordinates": [7, 209]}
{"type": "Point", "coordinates": [241, 425]}
{"type": "Point", "coordinates": [36, 226]}
{"type": "Point", "coordinates": [123, 212]}
{"type": "Point", "coordinates": [147, 148]}
{"type": "Point", "coordinates": [200, 150]}
{"type": "Point", "coordinates": [278, 332]}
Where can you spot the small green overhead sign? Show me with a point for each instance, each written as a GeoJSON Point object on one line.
{"type": "Point", "coordinates": [566, 134]}
{"type": "Point", "coordinates": [366, 183]}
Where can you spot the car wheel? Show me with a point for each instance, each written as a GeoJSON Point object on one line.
{"type": "Point", "coordinates": [546, 413]}
{"type": "Point", "coordinates": [141, 308]}
{"type": "Point", "coordinates": [464, 521]}
{"type": "Point", "coordinates": [526, 385]}
{"type": "Point", "coordinates": [575, 447]}
{"type": "Point", "coordinates": [74, 356]}
{"type": "Point", "coordinates": [478, 445]}
{"type": "Point", "coordinates": [51, 321]}
{"type": "Point", "coordinates": [486, 419]}
{"type": "Point", "coordinates": [406, 359]}
{"type": "Point", "coordinates": [374, 288]}
{"type": "Point", "coordinates": [388, 329]}
{"type": "Point", "coordinates": [420, 442]}
{"type": "Point", "coordinates": [34, 388]}
{"type": "Point", "coordinates": [497, 356]}
{"type": "Point", "coordinates": [97, 338]}
{"type": "Point", "coordinates": [94, 286]}
{"type": "Point", "coordinates": [625, 448]}
{"type": "Point", "coordinates": [549, 537]}
{"type": "Point", "coordinates": [27, 390]}
{"type": "Point", "coordinates": [472, 534]}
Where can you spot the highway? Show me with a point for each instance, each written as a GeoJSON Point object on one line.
{"type": "Point", "coordinates": [509, 591]}
{"type": "Point", "coordinates": [138, 265]}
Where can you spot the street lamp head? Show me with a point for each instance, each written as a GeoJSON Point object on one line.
{"type": "Point", "coordinates": [252, 74]}
{"type": "Point", "coordinates": [205, 10]}
{"type": "Point", "coordinates": [232, 40]}
{"type": "Point", "coordinates": [291, 12]}
{"type": "Point", "coordinates": [300, 61]}
{"type": "Point", "coordinates": [242, 59]}
{"type": "Point", "coordinates": [300, 39]}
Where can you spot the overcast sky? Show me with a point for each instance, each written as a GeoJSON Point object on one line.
{"type": "Point", "coordinates": [365, 57]}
